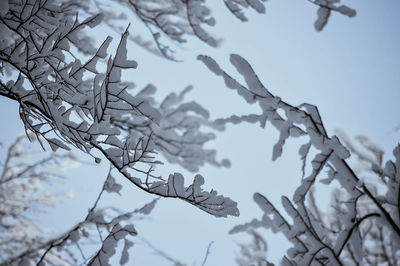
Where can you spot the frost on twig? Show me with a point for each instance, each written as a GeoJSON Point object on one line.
{"type": "Point", "coordinates": [313, 239]}
{"type": "Point", "coordinates": [67, 101]}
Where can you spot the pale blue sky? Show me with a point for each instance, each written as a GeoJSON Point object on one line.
{"type": "Point", "coordinates": [351, 71]}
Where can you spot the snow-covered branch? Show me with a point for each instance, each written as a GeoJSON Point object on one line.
{"type": "Point", "coordinates": [67, 102]}
{"type": "Point", "coordinates": [171, 22]}
{"type": "Point", "coordinates": [63, 249]}
{"type": "Point", "coordinates": [311, 239]}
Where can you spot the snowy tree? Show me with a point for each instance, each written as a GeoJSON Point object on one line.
{"type": "Point", "coordinates": [53, 72]}
{"type": "Point", "coordinates": [364, 227]}
{"type": "Point", "coordinates": [66, 102]}
{"type": "Point", "coordinates": [376, 244]}
{"type": "Point", "coordinates": [72, 94]}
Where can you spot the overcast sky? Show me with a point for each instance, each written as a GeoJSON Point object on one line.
{"type": "Point", "coordinates": [350, 71]}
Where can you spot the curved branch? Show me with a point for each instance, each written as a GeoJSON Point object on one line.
{"type": "Point", "coordinates": [357, 224]}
